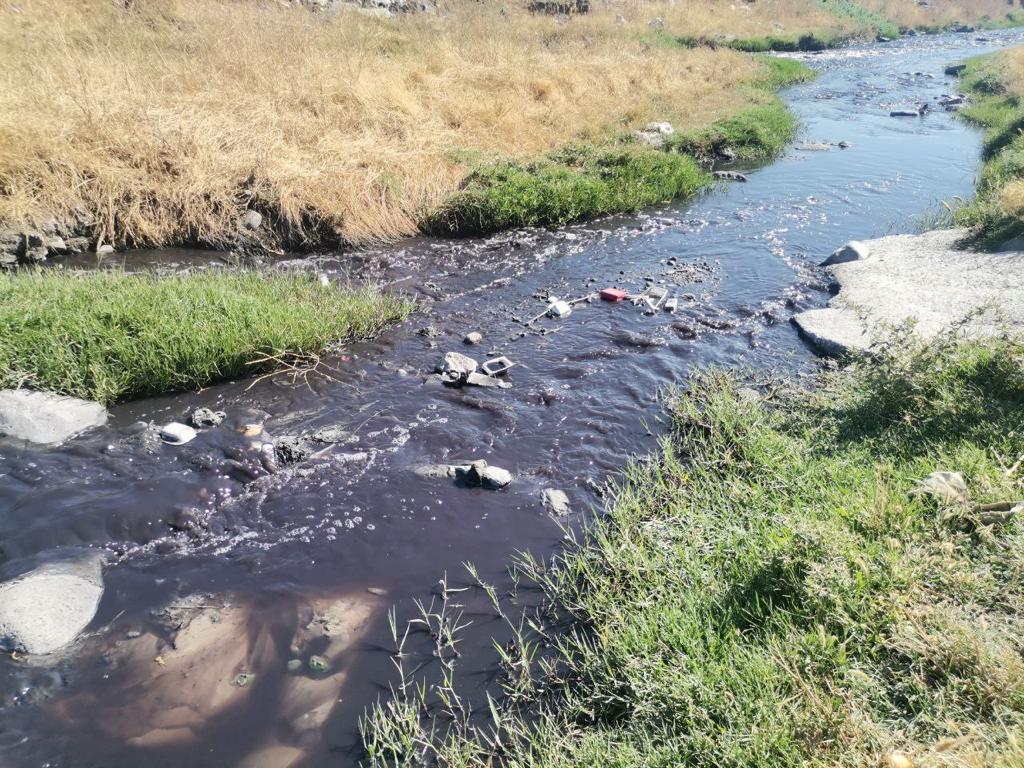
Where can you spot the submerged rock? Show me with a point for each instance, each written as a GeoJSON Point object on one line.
{"type": "Point", "coordinates": [204, 417]}
{"type": "Point", "coordinates": [556, 501]}
{"type": "Point", "coordinates": [45, 609]}
{"type": "Point", "coordinates": [44, 418]}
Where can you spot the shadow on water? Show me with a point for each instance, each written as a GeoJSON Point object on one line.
{"type": "Point", "coordinates": [265, 567]}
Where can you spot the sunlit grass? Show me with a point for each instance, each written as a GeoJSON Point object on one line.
{"type": "Point", "coordinates": [110, 335]}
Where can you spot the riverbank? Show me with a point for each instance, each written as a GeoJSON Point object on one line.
{"type": "Point", "coordinates": [996, 86]}
{"type": "Point", "coordinates": [205, 123]}
{"type": "Point", "coordinates": [110, 336]}
{"type": "Point", "coordinates": [778, 587]}
{"type": "Point", "coordinates": [226, 124]}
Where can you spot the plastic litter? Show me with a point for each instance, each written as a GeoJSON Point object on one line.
{"type": "Point", "coordinates": [613, 294]}
{"type": "Point", "coordinates": [671, 304]}
{"type": "Point", "coordinates": [559, 309]}
{"type": "Point", "coordinates": [497, 366]}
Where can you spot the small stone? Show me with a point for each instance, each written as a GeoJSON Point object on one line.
{"type": "Point", "coordinates": [105, 248]}
{"type": "Point", "coordinates": [251, 220]}
{"type": "Point", "coordinates": [473, 337]}
{"type": "Point", "coordinates": [556, 501]}
{"type": "Point", "coordinates": [318, 665]}
{"type": "Point", "coordinates": [177, 433]}
{"type": "Point", "coordinates": [294, 665]}
{"type": "Point", "coordinates": [948, 487]}
{"type": "Point", "coordinates": [252, 430]}
{"type": "Point", "coordinates": [243, 679]}
{"type": "Point", "coordinates": [204, 417]}
{"type": "Point", "coordinates": [290, 449]}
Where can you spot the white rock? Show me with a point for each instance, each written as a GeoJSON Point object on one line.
{"type": "Point", "coordinates": [47, 419]}
{"type": "Point", "coordinates": [45, 609]}
{"type": "Point", "coordinates": [473, 337]}
{"type": "Point", "coordinates": [107, 248]}
{"type": "Point", "coordinates": [177, 433]}
{"type": "Point", "coordinates": [852, 251]}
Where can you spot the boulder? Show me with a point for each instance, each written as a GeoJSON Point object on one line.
{"type": "Point", "coordinates": [45, 609]}
{"type": "Point", "coordinates": [833, 332]}
{"type": "Point", "coordinates": [44, 418]}
{"type": "Point", "coordinates": [852, 251]}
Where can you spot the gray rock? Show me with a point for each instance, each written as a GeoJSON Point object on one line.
{"type": "Point", "coordinates": [457, 364]}
{"type": "Point", "coordinates": [57, 246]}
{"type": "Point", "coordinates": [473, 337]}
{"type": "Point", "coordinates": [833, 332]}
{"type": "Point", "coordinates": [482, 474]}
{"type": "Point", "coordinates": [852, 251]}
{"type": "Point", "coordinates": [955, 69]}
{"type": "Point", "coordinates": [44, 418]}
{"type": "Point", "coordinates": [45, 609]}
{"type": "Point", "coordinates": [106, 248]}
{"type": "Point", "coordinates": [556, 501]}
{"type": "Point", "coordinates": [251, 220]}
{"type": "Point", "coordinates": [434, 471]}
{"type": "Point", "coordinates": [205, 417]}
{"type": "Point", "coordinates": [814, 146]}
{"type": "Point", "coordinates": [290, 449]}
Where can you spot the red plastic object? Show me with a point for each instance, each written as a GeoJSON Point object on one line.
{"type": "Point", "coordinates": [613, 294]}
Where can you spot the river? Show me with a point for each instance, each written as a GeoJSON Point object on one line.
{"type": "Point", "coordinates": [354, 530]}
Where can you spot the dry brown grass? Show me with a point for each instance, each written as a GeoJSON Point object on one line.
{"type": "Point", "coordinates": [712, 18]}
{"type": "Point", "coordinates": [162, 123]}
{"type": "Point", "coordinates": [940, 13]}
{"type": "Point", "coordinates": [1012, 71]}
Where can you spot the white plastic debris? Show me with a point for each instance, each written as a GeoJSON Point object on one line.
{"type": "Point", "coordinates": [176, 433]}
{"type": "Point", "coordinates": [671, 305]}
{"type": "Point", "coordinates": [559, 308]}
{"type": "Point", "coordinates": [496, 366]}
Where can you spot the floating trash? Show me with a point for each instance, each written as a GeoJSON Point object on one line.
{"type": "Point", "coordinates": [176, 433]}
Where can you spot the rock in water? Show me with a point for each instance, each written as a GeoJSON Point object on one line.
{"type": "Point", "coordinates": [45, 609]}
{"type": "Point", "coordinates": [557, 502]}
{"type": "Point", "coordinates": [47, 419]}
{"type": "Point", "coordinates": [204, 417]}
{"type": "Point", "coordinates": [473, 337]}
{"type": "Point", "coordinates": [480, 473]}
{"type": "Point", "coordinates": [176, 433]}
{"type": "Point", "coordinates": [457, 365]}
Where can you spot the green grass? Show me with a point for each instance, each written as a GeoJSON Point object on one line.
{"type": "Point", "coordinates": [575, 183]}
{"type": "Point", "coordinates": [111, 336]}
{"type": "Point", "coordinates": [766, 591]}
{"type": "Point", "coordinates": [1001, 114]}
{"type": "Point", "coordinates": [758, 133]}
{"type": "Point", "coordinates": [583, 181]}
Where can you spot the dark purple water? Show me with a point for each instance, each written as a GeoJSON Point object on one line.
{"type": "Point", "coordinates": [309, 560]}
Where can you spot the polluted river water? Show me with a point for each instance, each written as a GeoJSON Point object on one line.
{"type": "Point", "coordinates": [245, 618]}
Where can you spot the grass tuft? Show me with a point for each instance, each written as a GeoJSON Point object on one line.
{"type": "Point", "coordinates": [572, 184]}
{"type": "Point", "coordinates": [112, 336]}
